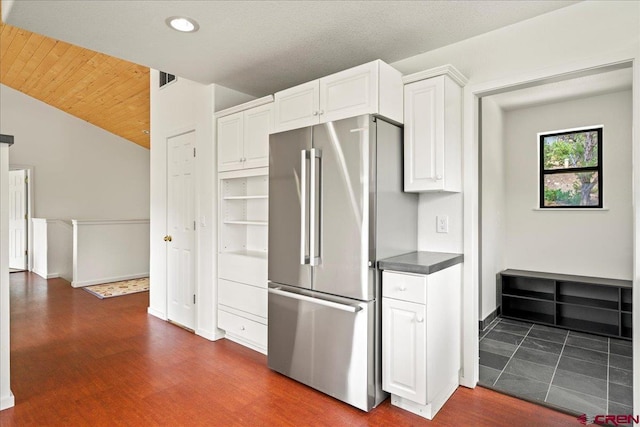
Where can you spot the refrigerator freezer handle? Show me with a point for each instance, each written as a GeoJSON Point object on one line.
{"type": "Point", "coordinates": [336, 305]}
{"type": "Point", "coordinates": [303, 205]}
{"type": "Point", "coordinates": [314, 212]}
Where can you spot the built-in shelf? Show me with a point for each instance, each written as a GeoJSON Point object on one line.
{"type": "Point", "coordinates": [246, 222]}
{"type": "Point", "coordinates": [587, 304]}
{"type": "Point", "coordinates": [252, 254]}
{"type": "Point", "coordinates": [245, 197]}
{"type": "Point", "coordinates": [242, 255]}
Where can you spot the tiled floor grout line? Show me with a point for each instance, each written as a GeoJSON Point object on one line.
{"type": "Point", "coordinates": [608, 341]}
{"type": "Point", "coordinates": [608, 369]}
{"type": "Point", "coordinates": [556, 368]}
{"type": "Point", "coordinates": [513, 354]}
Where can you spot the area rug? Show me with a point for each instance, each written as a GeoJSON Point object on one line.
{"type": "Point", "coordinates": [117, 289]}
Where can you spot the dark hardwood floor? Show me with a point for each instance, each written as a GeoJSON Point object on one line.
{"type": "Point", "coordinates": [77, 360]}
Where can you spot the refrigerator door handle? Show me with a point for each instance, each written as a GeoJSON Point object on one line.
{"type": "Point", "coordinates": [336, 305]}
{"type": "Point", "coordinates": [303, 207]}
{"type": "Point", "coordinates": [314, 211]}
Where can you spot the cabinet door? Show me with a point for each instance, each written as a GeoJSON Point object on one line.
{"type": "Point", "coordinates": [257, 125]}
{"type": "Point", "coordinates": [349, 93]}
{"type": "Point", "coordinates": [424, 135]}
{"type": "Point", "coordinates": [404, 363]}
{"type": "Point", "coordinates": [297, 107]}
{"type": "Point", "coordinates": [230, 129]}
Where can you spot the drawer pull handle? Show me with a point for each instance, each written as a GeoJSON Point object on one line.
{"type": "Point", "coordinates": [419, 319]}
{"type": "Point", "coordinates": [242, 328]}
{"type": "Point", "coordinates": [403, 288]}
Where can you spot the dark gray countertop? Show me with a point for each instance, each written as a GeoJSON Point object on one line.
{"type": "Point", "coordinates": [420, 262]}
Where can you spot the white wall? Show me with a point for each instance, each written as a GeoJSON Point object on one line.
{"type": "Point", "coordinates": [516, 50]}
{"type": "Point", "coordinates": [591, 243]}
{"type": "Point", "coordinates": [80, 170]}
{"type": "Point", "coordinates": [98, 255]}
{"type": "Point", "coordinates": [520, 53]}
{"type": "Point", "coordinates": [493, 221]}
{"type": "Point", "coordinates": [177, 108]}
{"type": "Point", "coordinates": [6, 397]}
{"type": "Point", "coordinates": [52, 248]}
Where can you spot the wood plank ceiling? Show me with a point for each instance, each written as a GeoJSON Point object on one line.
{"type": "Point", "coordinates": [107, 92]}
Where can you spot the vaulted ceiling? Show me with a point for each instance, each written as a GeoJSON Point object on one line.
{"type": "Point", "coordinates": [108, 92]}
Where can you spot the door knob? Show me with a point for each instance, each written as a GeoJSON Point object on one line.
{"type": "Point", "coordinates": [419, 319]}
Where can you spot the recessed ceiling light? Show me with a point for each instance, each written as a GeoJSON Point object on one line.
{"type": "Point", "coordinates": [183, 24]}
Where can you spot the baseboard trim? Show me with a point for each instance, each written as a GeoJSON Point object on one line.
{"type": "Point", "coordinates": [40, 273]}
{"type": "Point", "coordinates": [53, 276]}
{"type": "Point", "coordinates": [245, 343]}
{"type": "Point", "coordinates": [7, 402]}
{"type": "Point", "coordinates": [482, 324]}
{"type": "Point", "coordinates": [83, 283]}
{"type": "Point", "coordinates": [211, 336]}
{"type": "Point", "coordinates": [155, 313]}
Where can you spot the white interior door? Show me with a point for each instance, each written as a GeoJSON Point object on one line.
{"type": "Point", "coordinates": [181, 230]}
{"type": "Point", "coordinates": [18, 219]}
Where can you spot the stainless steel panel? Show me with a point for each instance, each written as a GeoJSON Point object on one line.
{"type": "Point", "coordinates": [330, 349]}
{"type": "Point", "coordinates": [287, 236]}
{"type": "Point", "coordinates": [343, 227]}
{"type": "Point", "coordinates": [396, 212]}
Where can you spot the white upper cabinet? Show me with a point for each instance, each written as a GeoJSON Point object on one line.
{"type": "Point", "coordinates": [433, 132]}
{"type": "Point", "coordinates": [243, 137]}
{"type": "Point", "coordinates": [374, 88]}
{"type": "Point", "coordinates": [297, 107]}
{"type": "Point", "coordinates": [257, 126]}
{"type": "Point", "coordinates": [230, 142]}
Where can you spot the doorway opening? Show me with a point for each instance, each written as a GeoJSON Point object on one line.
{"type": "Point", "coordinates": [567, 366]}
{"type": "Point", "coordinates": [20, 213]}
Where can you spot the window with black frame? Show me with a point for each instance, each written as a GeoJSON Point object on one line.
{"type": "Point", "coordinates": [571, 169]}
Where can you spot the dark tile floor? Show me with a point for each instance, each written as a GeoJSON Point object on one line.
{"type": "Point", "coordinates": [583, 373]}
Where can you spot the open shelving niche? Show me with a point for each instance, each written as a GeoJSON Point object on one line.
{"type": "Point", "coordinates": [244, 212]}
{"type": "Point", "coordinates": [587, 304]}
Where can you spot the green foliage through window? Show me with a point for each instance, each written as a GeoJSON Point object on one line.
{"type": "Point", "coordinates": [570, 169]}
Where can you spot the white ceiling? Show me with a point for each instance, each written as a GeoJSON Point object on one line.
{"type": "Point", "coordinates": [575, 88]}
{"type": "Point", "coordinates": [259, 47]}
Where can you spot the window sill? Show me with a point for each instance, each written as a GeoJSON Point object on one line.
{"type": "Point", "coordinates": [571, 209]}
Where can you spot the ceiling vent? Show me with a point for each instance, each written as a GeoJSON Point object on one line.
{"type": "Point", "coordinates": [166, 78]}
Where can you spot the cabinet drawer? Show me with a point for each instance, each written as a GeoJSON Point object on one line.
{"type": "Point", "coordinates": [245, 329]}
{"type": "Point", "coordinates": [243, 297]}
{"type": "Point", "coordinates": [243, 268]}
{"type": "Point", "coordinates": [404, 286]}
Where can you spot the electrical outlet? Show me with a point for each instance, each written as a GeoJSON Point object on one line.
{"type": "Point", "coordinates": [442, 224]}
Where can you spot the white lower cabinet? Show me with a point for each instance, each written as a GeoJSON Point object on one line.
{"type": "Point", "coordinates": [421, 338]}
{"type": "Point", "coordinates": [247, 332]}
{"type": "Point", "coordinates": [404, 356]}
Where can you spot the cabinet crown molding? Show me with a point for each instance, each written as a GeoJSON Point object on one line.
{"type": "Point", "coordinates": [236, 109]}
{"type": "Point", "coordinates": [448, 70]}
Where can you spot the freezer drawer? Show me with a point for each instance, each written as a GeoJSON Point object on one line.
{"type": "Point", "coordinates": [327, 343]}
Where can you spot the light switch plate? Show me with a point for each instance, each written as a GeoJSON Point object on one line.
{"type": "Point", "coordinates": [442, 224]}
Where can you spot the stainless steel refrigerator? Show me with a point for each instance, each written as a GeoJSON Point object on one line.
{"type": "Point", "coordinates": [336, 206]}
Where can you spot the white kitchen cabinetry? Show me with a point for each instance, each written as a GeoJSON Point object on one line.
{"type": "Point", "coordinates": [242, 256]}
{"type": "Point", "coordinates": [374, 88]}
{"type": "Point", "coordinates": [433, 130]}
{"type": "Point", "coordinates": [421, 338]}
{"type": "Point", "coordinates": [243, 136]}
